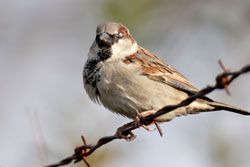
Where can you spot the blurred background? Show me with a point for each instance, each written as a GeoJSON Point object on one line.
{"type": "Point", "coordinates": [44, 108]}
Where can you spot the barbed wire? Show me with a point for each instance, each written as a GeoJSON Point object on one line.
{"type": "Point", "coordinates": [125, 131]}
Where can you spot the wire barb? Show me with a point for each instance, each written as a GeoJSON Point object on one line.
{"type": "Point", "coordinates": [225, 79]}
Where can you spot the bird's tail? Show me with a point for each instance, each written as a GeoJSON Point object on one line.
{"type": "Point", "coordinates": [227, 107]}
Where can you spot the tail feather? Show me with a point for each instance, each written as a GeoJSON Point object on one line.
{"type": "Point", "coordinates": [227, 107]}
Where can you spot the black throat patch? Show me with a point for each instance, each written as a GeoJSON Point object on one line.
{"type": "Point", "coordinates": [104, 54]}
{"type": "Point", "coordinates": [91, 74]}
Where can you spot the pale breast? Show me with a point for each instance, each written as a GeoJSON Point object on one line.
{"type": "Point", "coordinates": [123, 90]}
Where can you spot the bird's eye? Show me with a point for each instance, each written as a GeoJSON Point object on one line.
{"type": "Point", "coordinates": [120, 35]}
{"type": "Point", "coordinates": [116, 37]}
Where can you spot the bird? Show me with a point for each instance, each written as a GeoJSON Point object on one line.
{"type": "Point", "coordinates": [129, 80]}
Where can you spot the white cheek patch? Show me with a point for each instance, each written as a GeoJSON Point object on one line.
{"type": "Point", "coordinates": [123, 48]}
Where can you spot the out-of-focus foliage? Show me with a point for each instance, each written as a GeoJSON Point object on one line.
{"type": "Point", "coordinates": [131, 13]}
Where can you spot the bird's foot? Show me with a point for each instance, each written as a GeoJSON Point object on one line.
{"type": "Point", "coordinates": [140, 120]}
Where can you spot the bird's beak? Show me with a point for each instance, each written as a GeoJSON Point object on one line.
{"type": "Point", "coordinates": [104, 39]}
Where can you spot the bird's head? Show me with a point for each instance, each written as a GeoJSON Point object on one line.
{"type": "Point", "coordinates": [116, 38]}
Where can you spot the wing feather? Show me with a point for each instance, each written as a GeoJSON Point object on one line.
{"type": "Point", "coordinates": [157, 70]}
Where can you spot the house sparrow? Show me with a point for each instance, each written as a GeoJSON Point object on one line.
{"type": "Point", "coordinates": [127, 79]}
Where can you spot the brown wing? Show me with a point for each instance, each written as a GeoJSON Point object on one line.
{"type": "Point", "coordinates": [156, 70]}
